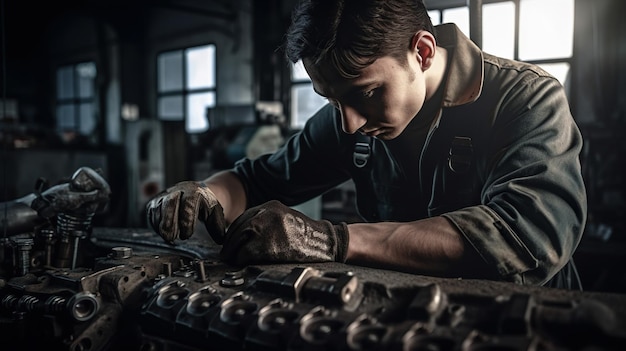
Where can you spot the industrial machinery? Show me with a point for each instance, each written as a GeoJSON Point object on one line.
{"type": "Point", "coordinates": [72, 286]}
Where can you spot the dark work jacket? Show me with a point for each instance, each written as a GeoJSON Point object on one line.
{"type": "Point", "coordinates": [500, 161]}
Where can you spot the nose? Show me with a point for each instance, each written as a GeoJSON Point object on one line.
{"type": "Point", "coordinates": [351, 119]}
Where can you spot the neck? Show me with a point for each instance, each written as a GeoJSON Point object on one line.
{"type": "Point", "coordinates": [436, 72]}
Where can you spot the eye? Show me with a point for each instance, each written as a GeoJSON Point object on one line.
{"type": "Point", "coordinates": [369, 93]}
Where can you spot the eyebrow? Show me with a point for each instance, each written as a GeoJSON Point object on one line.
{"type": "Point", "coordinates": [350, 91]}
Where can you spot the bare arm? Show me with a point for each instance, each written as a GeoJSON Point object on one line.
{"type": "Point", "coordinates": [230, 193]}
{"type": "Point", "coordinates": [430, 246]}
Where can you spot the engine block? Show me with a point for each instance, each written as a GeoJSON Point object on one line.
{"type": "Point", "coordinates": [130, 291]}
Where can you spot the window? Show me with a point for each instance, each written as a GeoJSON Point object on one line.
{"type": "Point", "coordinates": [552, 51]}
{"type": "Point", "coordinates": [187, 86]}
{"type": "Point", "coordinates": [75, 98]}
{"type": "Point", "coordinates": [304, 100]}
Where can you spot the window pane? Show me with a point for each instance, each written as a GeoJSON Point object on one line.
{"type": "Point", "coordinates": [201, 67]}
{"type": "Point", "coordinates": [499, 29]}
{"type": "Point", "coordinates": [86, 73]}
{"type": "Point", "coordinates": [434, 17]}
{"type": "Point", "coordinates": [458, 15]}
{"type": "Point", "coordinates": [298, 73]}
{"type": "Point", "coordinates": [66, 118]}
{"type": "Point", "coordinates": [171, 108]}
{"type": "Point", "coordinates": [197, 105]}
{"type": "Point", "coordinates": [87, 118]}
{"type": "Point", "coordinates": [546, 29]}
{"type": "Point", "coordinates": [65, 82]}
{"type": "Point", "coordinates": [560, 71]}
{"type": "Point", "coordinates": [170, 71]}
{"type": "Point", "coordinates": [304, 103]}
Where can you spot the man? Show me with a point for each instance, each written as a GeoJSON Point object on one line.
{"type": "Point", "coordinates": [465, 164]}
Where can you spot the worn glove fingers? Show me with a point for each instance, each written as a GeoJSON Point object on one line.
{"type": "Point", "coordinates": [168, 225]}
{"type": "Point", "coordinates": [210, 211]}
{"type": "Point", "coordinates": [232, 248]}
{"type": "Point", "coordinates": [216, 225]}
{"type": "Point", "coordinates": [244, 219]}
{"type": "Point", "coordinates": [188, 213]}
{"type": "Point", "coordinates": [238, 235]}
{"type": "Point", "coordinates": [153, 214]}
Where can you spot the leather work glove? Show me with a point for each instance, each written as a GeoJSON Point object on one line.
{"type": "Point", "coordinates": [173, 212]}
{"type": "Point", "coordinates": [273, 232]}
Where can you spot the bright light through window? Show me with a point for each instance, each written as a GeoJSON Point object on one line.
{"type": "Point", "coordinates": [559, 70]}
{"type": "Point", "coordinates": [298, 72]}
{"type": "Point", "coordinates": [546, 29]}
{"type": "Point", "coordinates": [434, 17]}
{"type": "Point", "coordinates": [499, 29]}
{"type": "Point", "coordinates": [201, 67]}
{"type": "Point", "coordinates": [186, 86]}
{"type": "Point", "coordinates": [304, 100]}
{"type": "Point", "coordinates": [197, 105]}
{"type": "Point", "coordinates": [458, 16]}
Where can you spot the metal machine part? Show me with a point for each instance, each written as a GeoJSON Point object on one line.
{"type": "Point", "coordinates": [65, 285]}
{"type": "Point", "coordinates": [137, 293]}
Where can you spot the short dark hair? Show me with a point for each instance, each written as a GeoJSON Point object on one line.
{"type": "Point", "coordinates": [352, 34]}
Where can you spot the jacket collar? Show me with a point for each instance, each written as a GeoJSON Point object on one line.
{"type": "Point", "coordinates": [465, 71]}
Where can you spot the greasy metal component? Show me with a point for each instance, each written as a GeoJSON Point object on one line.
{"type": "Point", "coordinates": [428, 303]}
{"type": "Point", "coordinates": [320, 327]}
{"type": "Point", "coordinates": [86, 193]}
{"type": "Point", "coordinates": [233, 278]}
{"type": "Point", "coordinates": [237, 308]}
{"type": "Point", "coordinates": [122, 252]}
{"type": "Point", "coordinates": [128, 298]}
{"type": "Point", "coordinates": [83, 306]}
{"type": "Point", "coordinates": [289, 285]}
{"type": "Point", "coordinates": [311, 285]}
{"type": "Point", "coordinates": [48, 237]}
{"type": "Point", "coordinates": [332, 289]}
{"type": "Point", "coordinates": [366, 333]}
{"type": "Point", "coordinates": [167, 269]}
{"type": "Point", "coordinates": [75, 236]}
{"type": "Point", "coordinates": [23, 247]}
{"type": "Point", "coordinates": [201, 275]}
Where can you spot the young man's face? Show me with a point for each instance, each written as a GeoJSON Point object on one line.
{"type": "Point", "coordinates": [380, 102]}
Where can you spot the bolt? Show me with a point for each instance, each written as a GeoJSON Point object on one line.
{"type": "Point", "coordinates": [23, 255]}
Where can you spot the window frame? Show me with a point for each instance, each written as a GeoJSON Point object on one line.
{"type": "Point", "coordinates": [75, 101]}
{"type": "Point", "coordinates": [185, 92]}
{"type": "Point", "coordinates": [303, 82]}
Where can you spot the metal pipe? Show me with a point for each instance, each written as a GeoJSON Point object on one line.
{"type": "Point", "coordinates": [476, 21]}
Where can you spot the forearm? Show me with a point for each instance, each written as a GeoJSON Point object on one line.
{"type": "Point", "coordinates": [230, 192]}
{"type": "Point", "coordinates": [431, 246]}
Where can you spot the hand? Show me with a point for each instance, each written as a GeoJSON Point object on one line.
{"type": "Point", "coordinates": [173, 212]}
{"type": "Point", "coordinates": [273, 232]}
{"type": "Point", "coordinates": [86, 192]}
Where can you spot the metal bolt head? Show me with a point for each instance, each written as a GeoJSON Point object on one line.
{"type": "Point", "coordinates": [122, 252]}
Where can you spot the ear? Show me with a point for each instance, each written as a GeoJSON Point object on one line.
{"type": "Point", "coordinates": [424, 45]}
